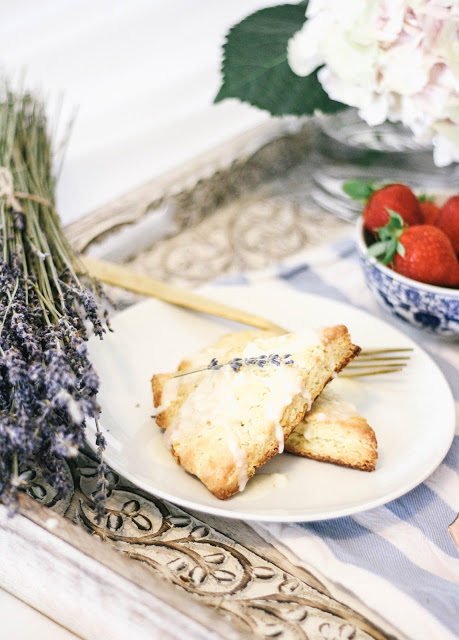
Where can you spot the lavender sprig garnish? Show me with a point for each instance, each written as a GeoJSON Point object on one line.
{"type": "Point", "coordinates": [48, 386]}
{"type": "Point", "coordinates": [236, 364]}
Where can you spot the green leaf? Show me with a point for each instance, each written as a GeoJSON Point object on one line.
{"type": "Point", "coordinates": [384, 233]}
{"type": "Point", "coordinates": [390, 251]}
{"type": "Point", "coordinates": [384, 250]}
{"type": "Point", "coordinates": [358, 190]}
{"type": "Point", "coordinates": [255, 67]}
{"type": "Point", "coordinates": [395, 220]}
{"type": "Point", "coordinates": [393, 228]}
{"type": "Point", "coordinates": [389, 239]}
{"type": "Point", "coordinates": [377, 249]}
{"type": "Point", "coordinates": [400, 249]}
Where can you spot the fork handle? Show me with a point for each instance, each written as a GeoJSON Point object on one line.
{"type": "Point", "coordinates": [120, 276]}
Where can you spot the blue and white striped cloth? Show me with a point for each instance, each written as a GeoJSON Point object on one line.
{"type": "Point", "coordinates": [399, 559]}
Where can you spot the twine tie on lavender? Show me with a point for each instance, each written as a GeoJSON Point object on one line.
{"type": "Point", "coordinates": [12, 197]}
{"type": "Point", "coordinates": [7, 189]}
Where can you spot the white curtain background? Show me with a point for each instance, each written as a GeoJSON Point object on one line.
{"type": "Point", "coordinates": [140, 75]}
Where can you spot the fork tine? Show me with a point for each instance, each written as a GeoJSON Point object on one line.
{"type": "Point", "coordinates": [365, 364]}
{"type": "Point", "coordinates": [360, 374]}
{"type": "Point", "coordinates": [372, 362]}
{"type": "Point", "coordinates": [370, 358]}
{"type": "Point", "coordinates": [385, 365]}
{"type": "Point", "coordinates": [366, 352]}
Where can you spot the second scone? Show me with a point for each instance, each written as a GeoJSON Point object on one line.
{"type": "Point", "coordinates": [333, 431]}
{"type": "Point", "coordinates": [222, 424]}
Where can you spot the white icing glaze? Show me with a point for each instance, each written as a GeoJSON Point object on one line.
{"type": "Point", "coordinates": [330, 407]}
{"type": "Point", "coordinates": [168, 395]}
{"type": "Point", "coordinates": [294, 343]}
{"type": "Point", "coordinates": [308, 397]}
{"type": "Point", "coordinates": [214, 398]}
{"type": "Point", "coordinates": [239, 454]}
{"type": "Point", "coordinates": [263, 484]}
{"type": "Point", "coordinates": [223, 396]}
{"type": "Point", "coordinates": [283, 383]}
{"type": "Point", "coordinates": [240, 458]}
{"type": "Point", "coordinates": [158, 451]}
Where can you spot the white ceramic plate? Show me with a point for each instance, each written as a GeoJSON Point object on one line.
{"type": "Point", "coordinates": [412, 412]}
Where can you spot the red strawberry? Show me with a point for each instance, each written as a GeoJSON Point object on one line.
{"type": "Point", "coordinates": [448, 221]}
{"type": "Point", "coordinates": [429, 211]}
{"type": "Point", "coordinates": [427, 256]}
{"type": "Point", "coordinates": [393, 197]}
{"type": "Point", "coordinates": [420, 252]}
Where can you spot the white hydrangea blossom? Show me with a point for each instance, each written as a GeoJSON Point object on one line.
{"type": "Point", "coordinates": [394, 60]}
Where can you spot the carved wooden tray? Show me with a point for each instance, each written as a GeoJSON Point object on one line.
{"type": "Point", "coordinates": [155, 570]}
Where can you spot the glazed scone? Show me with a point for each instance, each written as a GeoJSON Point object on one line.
{"type": "Point", "coordinates": [333, 431]}
{"type": "Point", "coordinates": [221, 425]}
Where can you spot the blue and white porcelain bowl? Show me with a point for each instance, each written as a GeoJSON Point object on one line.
{"type": "Point", "coordinates": [425, 306]}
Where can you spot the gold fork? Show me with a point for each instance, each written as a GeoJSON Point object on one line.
{"type": "Point", "coordinates": [370, 361]}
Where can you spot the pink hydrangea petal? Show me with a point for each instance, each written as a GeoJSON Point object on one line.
{"type": "Point", "coordinates": [394, 59]}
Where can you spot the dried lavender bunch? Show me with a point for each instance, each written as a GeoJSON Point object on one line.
{"type": "Point", "coordinates": [48, 387]}
{"type": "Point", "coordinates": [236, 364]}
